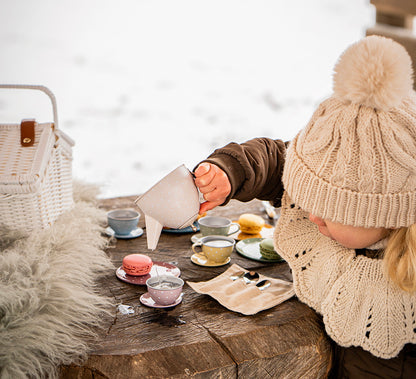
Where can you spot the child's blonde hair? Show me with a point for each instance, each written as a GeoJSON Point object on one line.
{"type": "Point", "coordinates": [400, 257]}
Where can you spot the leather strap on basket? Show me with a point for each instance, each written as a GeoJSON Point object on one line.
{"type": "Point", "coordinates": [27, 132]}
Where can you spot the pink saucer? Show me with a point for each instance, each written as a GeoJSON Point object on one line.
{"type": "Point", "coordinates": [145, 299]}
{"type": "Point", "coordinates": [163, 268]}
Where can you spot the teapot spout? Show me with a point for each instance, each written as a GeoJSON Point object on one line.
{"type": "Point", "coordinates": [153, 230]}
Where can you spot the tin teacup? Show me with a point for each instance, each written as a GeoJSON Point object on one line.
{"type": "Point", "coordinates": [164, 289]}
{"type": "Point", "coordinates": [123, 221]}
{"type": "Point", "coordinates": [219, 226]}
{"type": "Point", "coordinates": [215, 249]}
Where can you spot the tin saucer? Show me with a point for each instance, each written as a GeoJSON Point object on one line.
{"type": "Point", "coordinates": [145, 299]}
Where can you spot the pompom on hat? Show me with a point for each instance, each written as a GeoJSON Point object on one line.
{"type": "Point", "coordinates": [355, 161]}
{"type": "Point", "coordinates": [375, 72]}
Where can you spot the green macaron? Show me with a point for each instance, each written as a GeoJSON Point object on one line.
{"type": "Point", "coordinates": [267, 249]}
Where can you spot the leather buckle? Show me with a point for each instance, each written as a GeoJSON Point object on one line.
{"type": "Point", "coordinates": [27, 132]}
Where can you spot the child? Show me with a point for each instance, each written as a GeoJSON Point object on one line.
{"type": "Point", "coordinates": [347, 187]}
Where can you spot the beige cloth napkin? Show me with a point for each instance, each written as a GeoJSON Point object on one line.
{"type": "Point", "coordinates": [244, 298]}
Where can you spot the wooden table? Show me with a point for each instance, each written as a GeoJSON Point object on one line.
{"type": "Point", "coordinates": [199, 337]}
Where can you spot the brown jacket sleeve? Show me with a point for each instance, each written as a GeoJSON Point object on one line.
{"type": "Point", "coordinates": [254, 169]}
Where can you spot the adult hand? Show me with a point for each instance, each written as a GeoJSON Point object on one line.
{"type": "Point", "coordinates": [213, 183]}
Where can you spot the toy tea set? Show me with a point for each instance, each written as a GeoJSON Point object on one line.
{"type": "Point", "coordinates": [171, 203]}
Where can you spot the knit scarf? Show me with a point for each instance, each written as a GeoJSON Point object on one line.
{"type": "Point", "coordinates": [359, 304]}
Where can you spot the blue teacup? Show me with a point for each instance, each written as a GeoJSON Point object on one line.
{"type": "Point", "coordinates": [123, 221]}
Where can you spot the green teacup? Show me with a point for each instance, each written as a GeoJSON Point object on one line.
{"type": "Point", "coordinates": [218, 226]}
{"type": "Point", "coordinates": [216, 249]}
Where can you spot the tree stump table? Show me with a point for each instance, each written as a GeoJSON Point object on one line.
{"type": "Point", "coordinates": [199, 337]}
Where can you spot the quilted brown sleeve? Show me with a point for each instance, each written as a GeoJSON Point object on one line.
{"type": "Point", "coordinates": [254, 169]}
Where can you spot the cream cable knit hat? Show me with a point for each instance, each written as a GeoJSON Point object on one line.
{"type": "Point", "coordinates": [355, 161]}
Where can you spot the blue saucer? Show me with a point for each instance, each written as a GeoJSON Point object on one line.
{"type": "Point", "coordinates": [133, 234]}
{"type": "Point", "coordinates": [188, 229]}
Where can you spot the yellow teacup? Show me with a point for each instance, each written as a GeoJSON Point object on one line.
{"type": "Point", "coordinates": [215, 249]}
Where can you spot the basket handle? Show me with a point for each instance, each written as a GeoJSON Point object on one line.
{"type": "Point", "coordinates": [39, 88]}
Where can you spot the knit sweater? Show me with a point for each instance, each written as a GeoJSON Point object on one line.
{"type": "Point", "coordinates": [359, 304]}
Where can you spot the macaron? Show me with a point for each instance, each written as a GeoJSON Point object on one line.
{"type": "Point", "coordinates": [250, 223]}
{"type": "Point", "coordinates": [137, 264]}
{"type": "Point", "coordinates": [267, 250]}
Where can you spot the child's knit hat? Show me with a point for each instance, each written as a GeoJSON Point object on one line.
{"type": "Point", "coordinates": [355, 161]}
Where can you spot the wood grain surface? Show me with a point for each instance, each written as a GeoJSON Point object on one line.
{"type": "Point", "coordinates": [199, 337]}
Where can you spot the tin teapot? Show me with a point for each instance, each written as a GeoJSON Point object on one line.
{"type": "Point", "coordinates": [172, 202]}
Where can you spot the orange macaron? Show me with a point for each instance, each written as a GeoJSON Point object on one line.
{"type": "Point", "coordinates": [137, 264]}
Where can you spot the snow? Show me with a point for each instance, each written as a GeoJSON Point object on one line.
{"type": "Point", "coordinates": [146, 85]}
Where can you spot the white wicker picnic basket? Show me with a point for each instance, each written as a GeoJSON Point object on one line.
{"type": "Point", "coordinates": [35, 170]}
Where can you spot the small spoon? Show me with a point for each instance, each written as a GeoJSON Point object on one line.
{"type": "Point", "coordinates": [251, 277]}
{"type": "Point", "coordinates": [237, 275]}
{"type": "Point", "coordinates": [263, 284]}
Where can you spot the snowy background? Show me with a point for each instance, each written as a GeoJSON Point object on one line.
{"type": "Point", "coordinates": [146, 85]}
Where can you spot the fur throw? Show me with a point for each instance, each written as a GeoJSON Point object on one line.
{"type": "Point", "coordinates": [49, 306]}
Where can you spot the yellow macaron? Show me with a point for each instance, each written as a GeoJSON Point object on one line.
{"type": "Point", "coordinates": [251, 223]}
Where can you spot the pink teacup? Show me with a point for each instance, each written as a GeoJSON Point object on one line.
{"type": "Point", "coordinates": [164, 290]}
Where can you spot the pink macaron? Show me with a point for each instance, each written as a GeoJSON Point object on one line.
{"type": "Point", "coordinates": [137, 264]}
